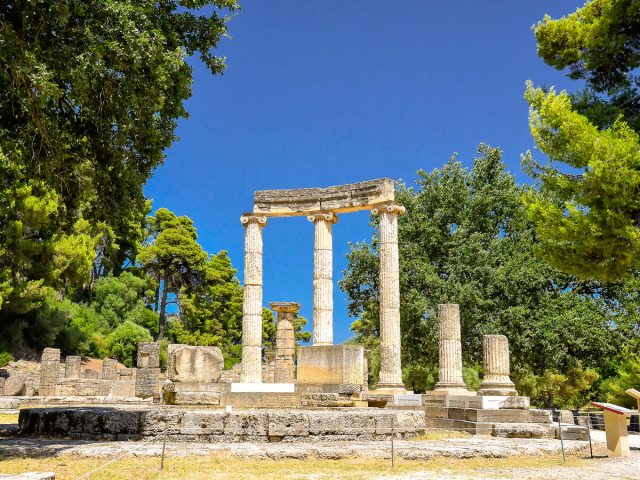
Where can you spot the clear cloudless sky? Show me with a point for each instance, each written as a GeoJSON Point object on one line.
{"type": "Point", "coordinates": [325, 93]}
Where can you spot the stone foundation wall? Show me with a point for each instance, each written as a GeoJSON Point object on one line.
{"type": "Point", "coordinates": [92, 423]}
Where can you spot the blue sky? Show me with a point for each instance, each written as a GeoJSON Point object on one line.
{"type": "Point", "coordinates": [325, 93]}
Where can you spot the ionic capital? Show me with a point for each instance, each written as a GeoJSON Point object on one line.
{"type": "Point", "coordinates": [248, 218]}
{"type": "Point", "coordinates": [324, 216]}
{"type": "Point", "coordinates": [389, 208]}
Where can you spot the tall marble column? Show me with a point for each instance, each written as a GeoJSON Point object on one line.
{"type": "Point", "coordinates": [285, 341]}
{"type": "Point", "coordinates": [495, 361]}
{"type": "Point", "coordinates": [323, 277]}
{"type": "Point", "coordinates": [390, 366]}
{"type": "Point", "coordinates": [450, 347]}
{"type": "Point", "coordinates": [251, 371]}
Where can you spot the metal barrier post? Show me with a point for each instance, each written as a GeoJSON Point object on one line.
{"type": "Point", "coordinates": [589, 430]}
{"type": "Point", "coordinates": [164, 444]}
{"type": "Point", "coordinates": [393, 460]}
{"type": "Point", "coordinates": [564, 458]}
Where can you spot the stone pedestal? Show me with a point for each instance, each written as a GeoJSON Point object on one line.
{"type": "Point", "coordinates": [450, 350]}
{"type": "Point", "coordinates": [109, 369]}
{"type": "Point", "coordinates": [285, 341]}
{"type": "Point", "coordinates": [390, 364]}
{"type": "Point", "coordinates": [496, 379]}
{"type": "Point", "coordinates": [251, 371]}
{"type": "Point", "coordinates": [331, 365]}
{"type": "Point", "coordinates": [49, 371]}
{"type": "Point", "coordinates": [72, 367]}
{"type": "Point", "coordinates": [148, 355]}
{"type": "Point", "coordinates": [323, 277]}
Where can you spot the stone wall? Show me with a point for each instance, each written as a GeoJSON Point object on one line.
{"type": "Point", "coordinates": [93, 423]}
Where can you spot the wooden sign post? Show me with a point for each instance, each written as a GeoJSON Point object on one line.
{"type": "Point", "coordinates": [615, 427]}
{"type": "Point", "coordinates": [635, 394]}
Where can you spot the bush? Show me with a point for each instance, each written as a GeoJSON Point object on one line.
{"type": "Point", "coordinates": [122, 343]}
{"type": "Point", "coordinates": [5, 358]}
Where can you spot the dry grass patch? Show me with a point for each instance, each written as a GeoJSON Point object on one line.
{"type": "Point", "coordinates": [220, 466]}
{"type": "Point", "coordinates": [442, 435]}
{"type": "Point", "coordinates": [8, 418]}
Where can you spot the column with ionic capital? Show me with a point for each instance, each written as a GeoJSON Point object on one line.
{"type": "Point", "coordinates": [323, 277]}
{"type": "Point", "coordinates": [251, 371]}
{"type": "Point", "coordinates": [390, 366]}
{"type": "Point", "coordinates": [450, 349]}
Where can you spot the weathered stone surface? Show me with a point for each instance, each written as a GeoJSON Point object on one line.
{"type": "Point", "coordinates": [330, 364]}
{"type": "Point", "coordinates": [203, 423]}
{"type": "Point", "coordinates": [571, 432]}
{"type": "Point", "coordinates": [339, 198]}
{"type": "Point", "coordinates": [148, 355]}
{"type": "Point", "coordinates": [14, 385]}
{"type": "Point", "coordinates": [496, 367]}
{"type": "Point", "coordinates": [566, 417]}
{"type": "Point", "coordinates": [522, 430]}
{"type": "Point", "coordinates": [192, 398]}
{"type": "Point", "coordinates": [251, 367]}
{"type": "Point", "coordinates": [283, 424]}
{"type": "Point", "coordinates": [194, 363]}
{"type": "Point", "coordinates": [49, 371]}
{"type": "Point", "coordinates": [73, 366]}
{"type": "Point", "coordinates": [260, 399]}
{"type": "Point", "coordinates": [390, 376]}
{"type": "Point", "coordinates": [450, 349]}
{"type": "Point", "coordinates": [148, 382]}
{"type": "Point", "coordinates": [539, 416]}
{"type": "Point", "coordinates": [284, 368]}
{"type": "Point", "coordinates": [109, 369]}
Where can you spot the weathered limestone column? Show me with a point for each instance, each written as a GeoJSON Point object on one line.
{"type": "Point", "coordinates": [495, 361]}
{"type": "Point", "coordinates": [450, 348]}
{"type": "Point", "coordinates": [251, 371]}
{"type": "Point", "coordinates": [323, 277]}
{"type": "Point", "coordinates": [390, 366]}
{"type": "Point", "coordinates": [285, 341]}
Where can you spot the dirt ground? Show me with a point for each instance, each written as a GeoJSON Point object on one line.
{"type": "Point", "coordinates": [471, 458]}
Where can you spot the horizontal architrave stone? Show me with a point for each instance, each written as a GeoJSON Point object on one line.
{"type": "Point", "coordinates": [338, 199]}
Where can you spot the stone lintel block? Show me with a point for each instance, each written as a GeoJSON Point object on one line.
{"type": "Point", "coordinates": [522, 430]}
{"type": "Point", "coordinates": [339, 198]}
{"type": "Point", "coordinates": [331, 364]}
{"type": "Point", "coordinates": [188, 363]}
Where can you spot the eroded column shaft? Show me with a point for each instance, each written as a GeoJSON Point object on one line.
{"type": "Point", "coordinates": [251, 371]}
{"type": "Point", "coordinates": [323, 278]}
{"type": "Point", "coordinates": [285, 341]}
{"type": "Point", "coordinates": [496, 367]}
{"type": "Point", "coordinates": [450, 347]}
{"type": "Point", "coordinates": [390, 364]}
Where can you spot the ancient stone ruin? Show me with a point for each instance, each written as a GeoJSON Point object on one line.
{"type": "Point", "coordinates": [288, 392]}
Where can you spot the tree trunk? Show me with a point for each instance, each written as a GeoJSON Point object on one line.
{"type": "Point", "coordinates": [155, 304]}
{"type": "Point", "coordinates": [163, 307]}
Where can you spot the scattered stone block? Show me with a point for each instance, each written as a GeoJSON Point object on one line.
{"type": "Point", "coordinates": [72, 366]}
{"type": "Point", "coordinates": [14, 385]}
{"type": "Point", "coordinates": [331, 364]}
{"type": "Point", "coordinates": [49, 371]}
{"type": "Point", "coordinates": [522, 430]}
{"type": "Point", "coordinates": [189, 363]}
{"type": "Point", "coordinates": [148, 383]}
{"type": "Point", "coordinates": [148, 355]}
{"type": "Point", "coordinates": [540, 416]}
{"type": "Point", "coordinates": [109, 369]}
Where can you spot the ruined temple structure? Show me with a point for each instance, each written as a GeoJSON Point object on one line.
{"type": "Point", "coordinates": [323, 362]}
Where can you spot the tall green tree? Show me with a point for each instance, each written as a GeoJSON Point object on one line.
{"type": "Point", "coordinates": [174, 258]}
{"type": "Point", "coordinates": [466, 239]}
{"type": "Point", "coordinates": [90, 96]}
{"type": "Point", "coordinates": [600, 44]}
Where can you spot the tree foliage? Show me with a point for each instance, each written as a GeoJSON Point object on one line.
{"type": "Point", "coordinates": [466, 239]}
{"type": "Point", "coordinates": [90, 93]}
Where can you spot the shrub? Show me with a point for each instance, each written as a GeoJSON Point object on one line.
{"type": "Point", "coordinates": [122, 343]}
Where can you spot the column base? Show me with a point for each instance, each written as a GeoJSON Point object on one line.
{"type": "Point", "coordinates": [503, 389]}
{"type": "Point", "coordinates": [390, 388]}
{"type": "Point", "coordinates": [452, 389]}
